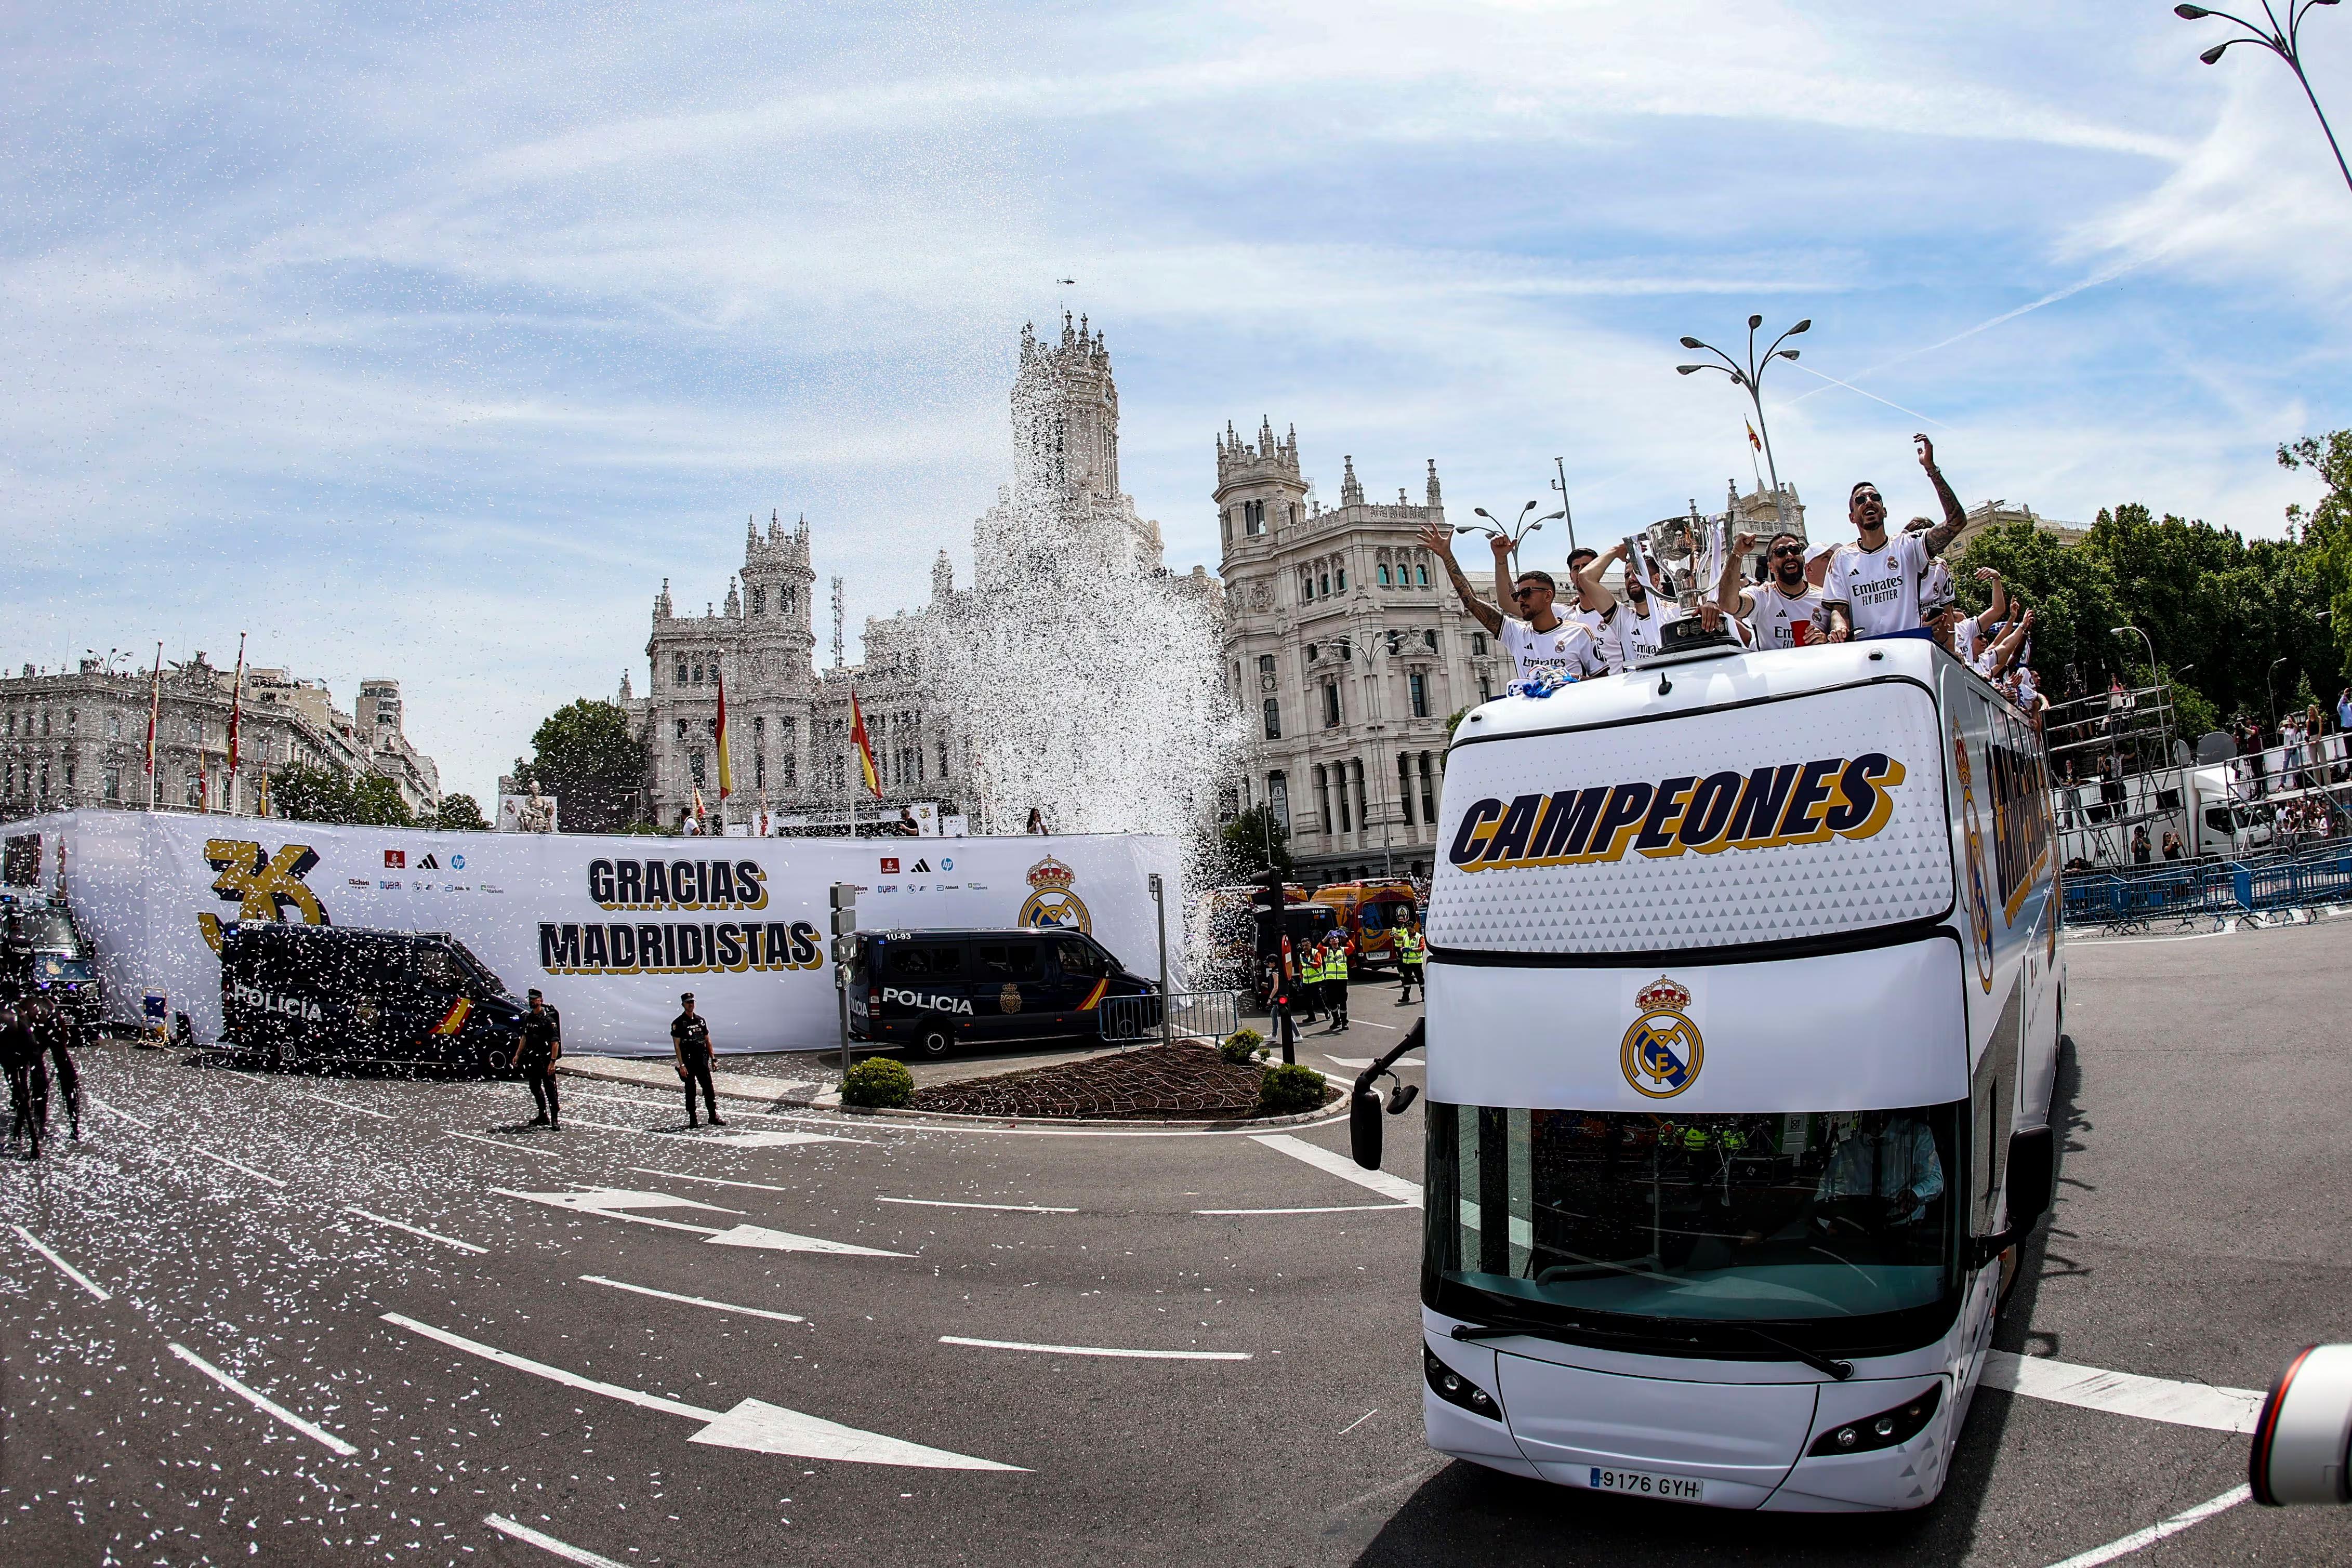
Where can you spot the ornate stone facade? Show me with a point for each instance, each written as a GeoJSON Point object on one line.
{"type": "Point", "coordinates": [789, 719]}
{"type": "Point", "coordinates": [1347, 650]}
{"type": "Point", "coordinates": [80, 739]}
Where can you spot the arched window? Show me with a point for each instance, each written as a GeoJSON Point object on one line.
{"type": "Point", "coordinates": [682, 670]}
{"type": "Point", "coordinates": [759, 601]}
{"type": "Point", "coordinates": [1274, 718]}
{"type": "Point", "coordinates": [1478, 644]}
{"type": "Point", "coordinates": [1384, 574]}
{"type": "Point", "coordinates": [1416, 685]}
{"type": "Point", "coordinates": [1421, 572]}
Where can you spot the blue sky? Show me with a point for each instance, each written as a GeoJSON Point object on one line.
{"type": "Point", "coordinates": [426, 342]}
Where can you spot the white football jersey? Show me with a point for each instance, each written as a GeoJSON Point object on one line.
{"type": "Point", "coordinates": [1784, 620]}
{"type": "Point", "coordinates": [1567, 647]}
{"type": "Point", "coordinates": [1643, 634]}
{"type": "Point", "coordinates": [1880, 587]}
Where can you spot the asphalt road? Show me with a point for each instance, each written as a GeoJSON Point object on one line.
{"type": "Point", "coordinates": [253, 1222]}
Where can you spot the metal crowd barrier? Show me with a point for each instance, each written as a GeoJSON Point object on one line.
{"type": "Point", "coordinates": [2186, 894]}
{"type": "Point", "coordinates": [1191, 1015]}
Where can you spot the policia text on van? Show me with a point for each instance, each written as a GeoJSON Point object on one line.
{"type": "Point", "coordinates": [1744, 999]}
{"type": "Point", "coordinates": [303, 995]}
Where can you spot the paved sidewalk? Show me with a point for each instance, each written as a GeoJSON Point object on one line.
{"type": "Point", "coordinates": [660, 1073]}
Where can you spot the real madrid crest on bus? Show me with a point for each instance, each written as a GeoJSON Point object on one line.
{"type": "Point", "coordinates": [1663, 1051]}
{"type": "Point", "coordinates": [1052, 906]}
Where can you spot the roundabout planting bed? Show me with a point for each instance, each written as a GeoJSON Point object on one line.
{"type": "Point", "coordinates": [1183, 1080]}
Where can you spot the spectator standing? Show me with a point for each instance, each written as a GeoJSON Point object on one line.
{"type": "Point", "coordinates": [2291, 752]}
{"type": "Point", "coordinates": [2141, 853]}
{"type": "Point", "coordinates": [2250, 749]}
{"type": "Point", "coordinates": [19, 1053]}
{"type": "Point", "coordinates": [2344, 710]}
{"type": "Point", "coordinates": [1410, 952]}
{"type": "Point", "coordinates": [2172, 845]}
{"type": "Point", "coordinates": [689, 1042]}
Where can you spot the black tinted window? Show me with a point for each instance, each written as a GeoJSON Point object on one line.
{"type": "Point", "coordinates": [1012, 960]}
{"type": "Point", "coordinates": [437, 970]}
{"type": "Point", "coordinates": [1080, 958]}
{"type": "Point", "coordinates": [927, 962]}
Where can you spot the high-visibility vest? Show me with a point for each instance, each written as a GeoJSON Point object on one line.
{"type": "Point", "coordinates": [1409, 947]}
{"type": "Point", "coordinates": [1693, 1139]}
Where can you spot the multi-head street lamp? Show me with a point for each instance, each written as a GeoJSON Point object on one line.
{"type": "Point", "coordinates": [1750, 380]}
{"type": "Point", "coordinates": [2281, 40]}
{"type": "Point", "coordinates": [1518, 529]}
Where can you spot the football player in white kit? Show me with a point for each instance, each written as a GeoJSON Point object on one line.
{"type": "Point", "coordinates": [1536, 638]}
{"type": "Point", "coordinates": [1872, 589]}
{"type": "Point", "coordinates": [1629, 630]}
{"type": "Point", "coordinates": [1784, 606]}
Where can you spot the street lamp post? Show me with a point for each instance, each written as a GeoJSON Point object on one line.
{"type": "Point", "coordinates": [1750, 380]}
{"type": "Point", "coordinates": [2154, 678]}
{"type": "Point", "coordinates": [1519, 529]}
{"type": "Point", "coordinates": [1561, 484]}
{"type": "Point", "coordinates": [2270, 697]}
{"type": "Point", "coordinates": [2282, 41]}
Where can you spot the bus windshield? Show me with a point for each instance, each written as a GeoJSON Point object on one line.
{"type": "Point", "coordinates": [1558, 1215]}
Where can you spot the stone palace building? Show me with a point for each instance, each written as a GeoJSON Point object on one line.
{"type": "Point", "coordinates": [789, 716]}
{"type": "Point", "coordinates": [79, 738]}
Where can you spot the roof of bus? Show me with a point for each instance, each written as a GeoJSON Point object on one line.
{"type": "Point", "coordinates": [1699, 685]}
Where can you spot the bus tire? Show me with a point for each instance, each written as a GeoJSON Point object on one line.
{"type": "Point", "coordinates": [935, 1041]}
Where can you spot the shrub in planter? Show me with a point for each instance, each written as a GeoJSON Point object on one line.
{"type": "Point", "coordinates": [1242, 1046]}
{"type": "Point", "coordinates": [1284, 1088]}
{"type": "Point", "coordinates": [877, 1081]}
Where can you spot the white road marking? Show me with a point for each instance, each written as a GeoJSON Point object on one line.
{"type": "Point", "coordinates": [510, 1147]}
{"type": "Point", "coordinates": [67, 1270]}
{"type": "Point", "coordinates": [258, 1175]}
{"type": "Point", "coordinates": [125, 1114]}
{"type": "Point", "coordinates": [753, 1423]}
{"type": "Point", "coordinates": [418, 1231]}
{"type": "Point", "coordinates": [1361, 1062]}
{"type": "Point", "coordinates": [1098, 1349]}
{"type": "Point", "coordinates": [613, 1203]}
{"type": "Point", "coordinates": [767, 1138]}
{"type": "Point", "coordinates": [2125, 1392]}
{"type": "Point", "coordinates": [1340, 1166]}
{"type": "Point", "coordinates": [1007, 1208]}
{"type": "Point", "coordinates": [1342, 1208]}
{"type": "Point", "coordinates": [693, 1301]}
{"type": "Point", "coordinates": [714, 1181]}
{"type": "Point", "coordinates": [263, 1403]}
{"type": "Point", "coordinates": [2155, 1533]}
{"type": "Point", "coordinates": [1358, 1422]}
{"type": "Point", "coordinates": [545, 1542]}
{"type": "Point", "coordinates": [330, 1100]}
{"type": "Point", "coordinates": [616, 1127]}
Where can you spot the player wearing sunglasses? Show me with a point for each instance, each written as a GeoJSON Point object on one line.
{"type": "Point", "coordinates": [1872, 589]}
{"type": "Point", "coordinates": [1535, 635]}
{"type": "Point", "coordinates": [1781, 608]}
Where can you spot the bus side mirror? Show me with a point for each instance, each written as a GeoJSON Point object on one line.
{"type": "Point", "coordinates": [2032, 1176]}
{"type": "Point", "coordinates": [1364, 1111]}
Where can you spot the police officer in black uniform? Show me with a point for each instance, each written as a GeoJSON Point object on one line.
{"type": "Point", "coordinates": [18, 1051]}
{"type": "Point", "coordinates": [689, 1038]}
{"type": "Point", "coordinates": [541, 1043]}
{"type": "Point", "coordinates": [57, 1034]}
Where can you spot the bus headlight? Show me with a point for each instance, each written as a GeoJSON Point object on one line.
{"type": "Point", "coordinates": [1455, 1389]}
{"type": "Point", "coordinates": [1883, 1430]}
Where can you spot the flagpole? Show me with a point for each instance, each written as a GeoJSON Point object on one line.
{"type": "Point", "coordinates": [154, 711]}
{"type": "Point", "coordinates": [236, 712]}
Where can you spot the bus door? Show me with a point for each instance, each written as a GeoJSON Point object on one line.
{"type": "Point", "coordinates": [1011, 994]}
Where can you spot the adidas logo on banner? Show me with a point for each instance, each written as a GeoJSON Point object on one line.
{"type": "Point", "coordinates": [922, 865]}
{"type": "Point", "coordinates": [428, 864]}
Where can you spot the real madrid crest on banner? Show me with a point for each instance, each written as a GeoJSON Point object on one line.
{"type": "Point", "coordinates": [1662, 1053]}
{"type": "Point", "coordinates": [1052, 906]}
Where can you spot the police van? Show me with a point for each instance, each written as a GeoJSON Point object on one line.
{"type": "Point", "coordinates": [934, 990]}
{"type": "Point", "coordinates": [304, 996]}
{"type": "Point", "coordinates": [1744, 1001]}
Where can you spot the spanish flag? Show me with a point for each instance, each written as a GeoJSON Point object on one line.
{"type": "Point", "coordinates": [725, 774]}
{"type": "Point", "coordinates": [858, 737]}
{"type": "Point", "coordinates": [1752, 440]}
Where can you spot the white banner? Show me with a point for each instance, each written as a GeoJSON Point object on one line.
{"type": "Point", "coordinates": [611, 928]}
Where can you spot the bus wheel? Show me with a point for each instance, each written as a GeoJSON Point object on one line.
{"type": "Point", "coordinates": [936, 1041]}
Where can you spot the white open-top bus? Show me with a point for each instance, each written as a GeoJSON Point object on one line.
{"type": "Point", "coordinates": [1743, 1026]}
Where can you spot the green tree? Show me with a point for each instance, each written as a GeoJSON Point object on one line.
{"type": "Point", "coordinates": [1249, 839]}
{"type": "Point", "coordinates": [376, 803]}
{"type": "Point", "coordinates": [584, 756]}
{"type": "Point", "coordinates": [460, 814]}
{"type": "Point", "coordinates": [306, 794]}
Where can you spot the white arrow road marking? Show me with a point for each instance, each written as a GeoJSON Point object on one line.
{"type": "Point", "coordinates": [1098, 1349]}
{"type": "Point", "coordinates": [545, 1542]}
{"type": "Point", "coordinates": [613, 1203]}
{"type": "Point", "coordinates": [2155, 1533]}
{"type": "Point", "coordinates": [753, 1423]}
{"type": "Point", "coordinates": [263, 1403]}
{"type": "Point", "coordinates": [419, 1231]}
{"type": "Point", "coordinates": [711, 1181]}
{"type": "Point", "coordinates": [1340, 1166]}
{"type": "Point", "coordinates": [67, 1270]}
{"type": "Point", "coordinates": [2125, 1392]}
{"type": "Point", "coordinates": [762, 1138]}
{"type": "Point", "coordinates": [510, 1146]}
{"type": "Point", "coordinates": [693, 1301]}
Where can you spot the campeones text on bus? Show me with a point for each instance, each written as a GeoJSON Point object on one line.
{"type": "Point", "coordinates": [1794, 803]}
